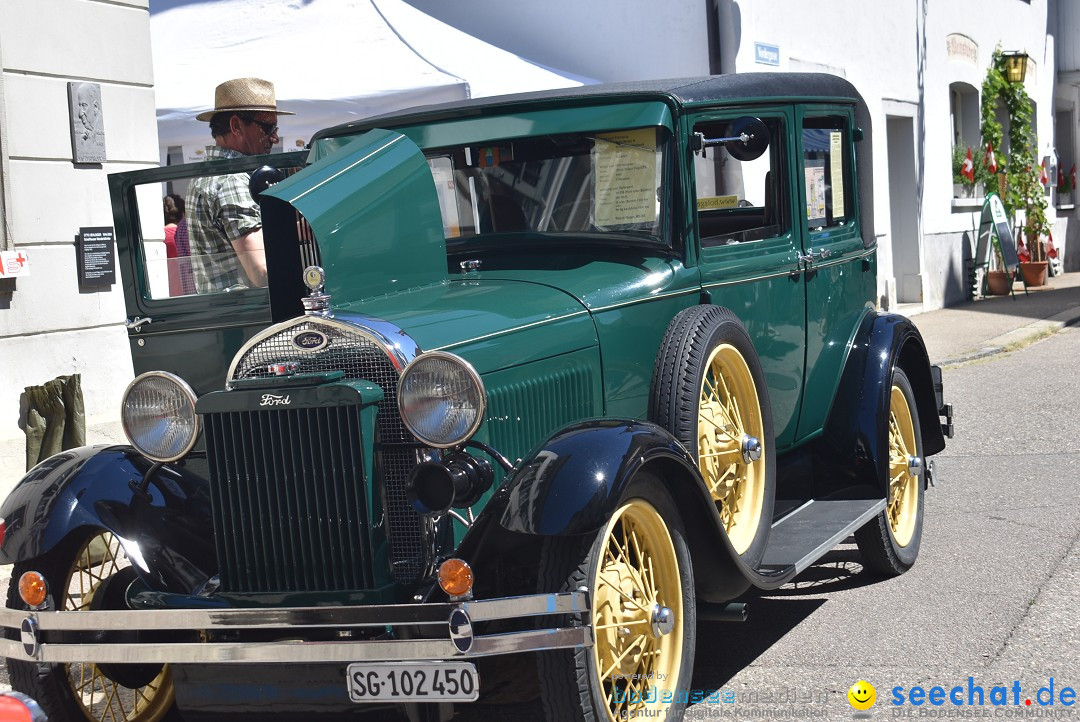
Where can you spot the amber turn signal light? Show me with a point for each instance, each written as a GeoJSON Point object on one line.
{"type": "Point", "coordinates": [33, 589]}
{"type": "Point", "coordinates": [455, 577]}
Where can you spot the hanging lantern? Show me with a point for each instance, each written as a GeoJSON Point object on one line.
{"type": "Point", "coordinates": [1015, 65]}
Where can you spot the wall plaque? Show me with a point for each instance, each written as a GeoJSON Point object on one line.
{"type": "Point", "coordinates": [95, 256]}
{"type": "Point", "coordinates": [87, 125]}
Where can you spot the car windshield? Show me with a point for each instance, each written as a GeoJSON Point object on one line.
{"type": "Point", "coordinates": [574, 184]}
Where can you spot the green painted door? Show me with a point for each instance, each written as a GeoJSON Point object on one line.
{"type": "Point", "coordinates": [839, 269]}
{"type": "Point", "coordinates": [750, 240]}
{"type": "Point", "coordinates": [172, 326]}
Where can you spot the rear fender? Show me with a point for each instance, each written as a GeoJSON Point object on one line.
{"type": "Point", "coordinates": [573, 483]}
{"type": "Point", "coordinates": [168, 538]}
{"type": "Point", "coordinates": [854, 448]}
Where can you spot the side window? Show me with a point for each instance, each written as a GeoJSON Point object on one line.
{"type": "Point", "coordinates": [186, 231]}
{"type": "Point", "coordinates": [739, 201]}
{"type": "Point", "coordinates": [826, 144]}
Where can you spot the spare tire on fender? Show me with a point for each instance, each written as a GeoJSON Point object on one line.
{"type": "Point", "coordinates": [708, 390]}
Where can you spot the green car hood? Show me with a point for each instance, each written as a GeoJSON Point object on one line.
{"type": "Point", "coordinates": [493, 324]}
{"type": "Point", "coordinates": [374, 212]}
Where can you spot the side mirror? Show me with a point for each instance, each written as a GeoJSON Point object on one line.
{"type": "Point", "coordinates": [746, 138]}
{"type": "Point", "coordinates": [263, 178]}
{"type": "Point", "coordinates": [750, 138]}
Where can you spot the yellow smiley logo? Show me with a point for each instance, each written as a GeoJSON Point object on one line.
{"type": "Point", "coordinates": [862, 695]}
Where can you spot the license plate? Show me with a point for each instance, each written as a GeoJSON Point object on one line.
{"type": "Point", "coordinates": [413, 681]}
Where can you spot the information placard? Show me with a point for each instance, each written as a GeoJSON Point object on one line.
{"type": "Point", "coordinates": [96, 256]}
{"type": "Point", "coordinates": [624, 172]}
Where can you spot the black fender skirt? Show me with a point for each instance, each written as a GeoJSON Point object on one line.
{"type": "Point", "coordinates": [168, 536]}
{"type": "Point", "coordinates": [571, 485]}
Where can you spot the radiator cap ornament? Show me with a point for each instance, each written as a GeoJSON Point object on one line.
{"type": "Point", "coordinates": [316, 303]}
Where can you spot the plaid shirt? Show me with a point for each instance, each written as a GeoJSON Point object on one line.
{"type": "Point", "coordinates": [219, 210]}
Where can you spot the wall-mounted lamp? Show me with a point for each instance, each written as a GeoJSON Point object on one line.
{"type": "Point", "coordinates": [1015, 65]}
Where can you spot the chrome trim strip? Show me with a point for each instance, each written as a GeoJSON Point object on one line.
{"type": "Point", "coordinates": [780, 274]}
{"type": "Point", "coordinates": [305, 652]}
{"type": "Point", "coordinates": [637, 301]}
{"type": "Point", "coordinates": [399, 347]}
{"type": "Point", "coordinates": [297, 617]}
{"type": "Point", "coordinates": [496, 334]}
{"type": "Point", "coordinates": [794, 270]}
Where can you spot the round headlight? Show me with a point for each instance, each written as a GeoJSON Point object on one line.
{"type": "Point", "coordinates": [441, 399]}
{"type": "Point", "coordinates": [158, 414]}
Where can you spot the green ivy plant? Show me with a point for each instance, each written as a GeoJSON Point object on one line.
{"type": "Point", "coordinates": [1023, 191]}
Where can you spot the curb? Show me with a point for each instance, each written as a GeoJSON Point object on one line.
{"type": "Point", "coordinates": [1002, 343]}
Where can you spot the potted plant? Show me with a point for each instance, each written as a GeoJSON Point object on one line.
{"type": "Point", "coordinates": [1066, 185]}
{"type": "Point", "coordinates": [964, 185]}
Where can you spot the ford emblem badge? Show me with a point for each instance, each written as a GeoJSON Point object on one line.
{"type": "Point", "coordinates": [310, 340]}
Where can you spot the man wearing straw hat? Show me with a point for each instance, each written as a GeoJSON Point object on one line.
{"type": "Point", "coordinates": [225, 223]}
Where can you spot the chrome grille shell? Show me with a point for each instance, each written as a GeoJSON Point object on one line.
{"type": "Point", "coordinates": [374, 351]}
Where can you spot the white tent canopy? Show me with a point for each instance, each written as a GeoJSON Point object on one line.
{"type": "Point", "coordinates": [331, 61]}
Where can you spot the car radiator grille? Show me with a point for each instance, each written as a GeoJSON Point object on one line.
{"type": "Point", "coordinates": [359, 357]}
{"type": "Point", "coordinates": [289, 500]}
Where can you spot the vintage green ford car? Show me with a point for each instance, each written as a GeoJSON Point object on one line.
{"type": "Point", "coordinates": [537, 382]}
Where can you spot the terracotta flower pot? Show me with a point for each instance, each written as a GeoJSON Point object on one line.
{"type": "Point", "coordinates": [1034, 272]}
{"type": "Point", "coordinates": [997, 283]}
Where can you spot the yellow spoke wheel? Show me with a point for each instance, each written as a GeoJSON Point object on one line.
{"type": "Point", "coordinates": [640, 584]}
{"type": "Point", "coordinates": [890, 542]}
{"type": "Point", "coordinates": [709, 392]}
{"type": "Point", "coordinates": [78, 581]}
{"type": "Point", "coordinates": [636, 581]}
{"type": "Point", "coordinates": [902, 506]}
{"type": "Point", "coordinates": [729, 415]}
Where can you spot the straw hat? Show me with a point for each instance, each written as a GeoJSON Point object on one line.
{"type": "Point", "coordinates": [253, 94]}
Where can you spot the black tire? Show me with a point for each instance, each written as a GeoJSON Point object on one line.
{"type": "Point", "coordinates": [890, 542]}
{"type": "Point", "coordinates": [571, 684]}
{"type": "Point", "coordinates": [81, 573]}
{"type": "Point", "coordinates": [698, 342]}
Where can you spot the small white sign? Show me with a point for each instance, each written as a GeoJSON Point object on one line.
{"type": "Point", "coordinates": [14, 263]}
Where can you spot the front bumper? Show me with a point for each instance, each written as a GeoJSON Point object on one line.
{"type": "Point", "coordinates": [446, 632]}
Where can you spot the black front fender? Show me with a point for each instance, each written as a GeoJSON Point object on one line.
{"type": "Point", "coordinates": [573, 483]}
{"type": "Point", "coordinates": [168, 537]}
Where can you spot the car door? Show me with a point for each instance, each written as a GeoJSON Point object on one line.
{"type": "Point", "coordinates": [749, 246]}
{"type": "Point", "coordinates": [171, 326]}
{"type": "Point", "coordinates": [839, 268]}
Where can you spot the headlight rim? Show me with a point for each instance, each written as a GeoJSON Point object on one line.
{"type": "Point", "coordinates": [473, 375]}
{"type": "Point", "coordinates": [191, 396]}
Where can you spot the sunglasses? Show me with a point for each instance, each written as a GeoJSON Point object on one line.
{"type": "Point", "coordinates": [268, 128]}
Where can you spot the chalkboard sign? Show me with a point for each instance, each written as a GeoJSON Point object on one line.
{"type": "Point", "coordinates": [994, 230]}
{"type": "Point", "coordinates": [95, 256]}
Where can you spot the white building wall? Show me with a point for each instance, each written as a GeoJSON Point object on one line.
{"type": "Point", "coordinates": [895, 53]}
{"type": "Point", "coordinates": [48, 325]}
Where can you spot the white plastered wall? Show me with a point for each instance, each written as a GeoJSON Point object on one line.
{"type": "Point", "coordinates": [48, 325]}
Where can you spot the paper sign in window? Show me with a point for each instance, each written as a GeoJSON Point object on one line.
{"type": "Point", "coordinates": [710, 203]}
{"type": "Point", "coordinates": [624, 173]}
{"type": "Point", "coordinates": [815, 192]}
{"type": "Point", "coordinates": [836, 172]}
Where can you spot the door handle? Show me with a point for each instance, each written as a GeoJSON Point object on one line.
{"type": "Point", "coordinates": [811, 256]}
{"type": "Point", "coordinates": [135, 324]}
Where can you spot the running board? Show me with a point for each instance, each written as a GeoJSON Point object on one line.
{"type": "Point", "coordinates": [808, 533]}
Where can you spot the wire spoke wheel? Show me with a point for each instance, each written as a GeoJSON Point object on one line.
{"type": "Point", "coordinates": [889, 543]}
{"type": "Point", "coordinates": [637, 573]}
{"type": "Point", "coordinates": [637, 577]}
{"type": "Point", "coordinates": [728, 415]}
{"type": "Point", "coordinates": [902, 505]}
{"type": "Point", "coordinates": [92, 575]}
{"type": "Point", "coordinates": [709, 391]}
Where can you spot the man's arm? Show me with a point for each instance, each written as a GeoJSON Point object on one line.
{"type": "Point", "coordinates": [249, 249]}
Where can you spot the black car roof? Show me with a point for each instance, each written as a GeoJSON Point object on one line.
{"type": "Point", "coordinates": [684, 91]}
